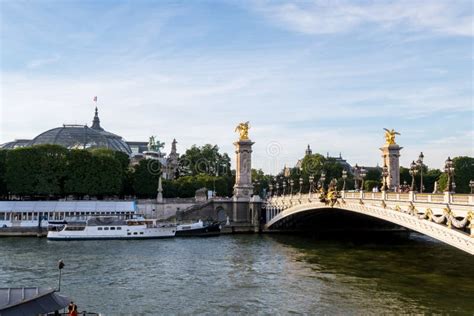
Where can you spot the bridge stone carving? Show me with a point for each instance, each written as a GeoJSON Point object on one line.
{"type": "Point", "coordinates": [446, 217]}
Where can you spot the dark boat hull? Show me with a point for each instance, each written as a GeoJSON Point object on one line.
{"type": "Point", "coordinates": [208, 231]}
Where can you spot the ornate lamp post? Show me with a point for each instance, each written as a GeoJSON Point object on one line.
{"type": "Point", "coordinates": [301, 185]}
{"type": "Point", "coordinates": [385, 176]}
{"type": "Point", "coordinates": [413, 171]}
{"type": "Point", "coordinates": [311, 183]}
{"type": "Point", "coordinates": [292, 183]}
{"type": "Point", "coordinates": [344, 177]}
{"type": "Point", "coordinates": [323, 178]}
{"type": "Point", "coordinates": [453, 185]}
{"type": "Point", "coordinates": [270, 189]}
{"type": "Point", "coordinates": [284, 186]}
{"type": "Point", "coordinates": [356, 177]}
{"type": "Point", "coordinates": [420, 164]}
{"type": "Point", "coordinates": [449, 169]}
{"type": "Point", "coordinates": [277, 189]}
{"type": "Point", "coordinates": [471, 185]}
{"type": "Point", "coordinates": [363, 173]}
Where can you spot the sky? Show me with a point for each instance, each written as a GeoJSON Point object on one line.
{"type": "Point", "coordinates": [331, 74]}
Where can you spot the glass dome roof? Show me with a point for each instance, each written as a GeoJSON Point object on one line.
{"type": "Point", "coordinates": [82, 137]}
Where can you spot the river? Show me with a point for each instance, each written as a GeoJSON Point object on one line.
{"type": "Point", "coordinates": [247, 274]}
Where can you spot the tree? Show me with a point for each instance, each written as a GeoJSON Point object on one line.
{"type": "Point", "coordinates": [37, 170]}
{"type": "Point", "coordinates": [3, 167]}
{"type": "Point", "coordinates": [463, 173]}
{"type": "Point", "coordinates": [109, 175]}
{"type": "Point", "coordinates": [204, 160]}
{"type": "Point", "coordinates": [21, 170]}
{"type": "Point", "coordinates": [80, 173]}
{"type": "Point", "coordinates": [51, 167]}
{"type": "Point", "coordinates": [429, 179]}
{"type": "Point", "coordinates": [370, 184]}
{"type": "Point", "coordinates": [261, 181]}
{"type": "Point", "coordinates": [145, 178]}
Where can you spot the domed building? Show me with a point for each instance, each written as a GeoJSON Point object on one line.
{"type": "Point", "coordinates": [79, 137]}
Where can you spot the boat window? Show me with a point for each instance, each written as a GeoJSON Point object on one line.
{"type": "Point", "coordinates": [2, 216]}
{"type": "Point", "coordinates": [99, 228]}
{"type": "Point", "coordinates": [75, 228]}
{"type": "Point", "coordinates": [128, 234]}
{"type": "Point", "coordinates": [112, 228]}
{"type": "Point", "coordinates": [141, 233]}
{"type": "Point", "coordinates": [106, 228]}
{"type": "Point", "coordinates": [119, 228]}
{"type": "Point", "coordinates": [134, 233]}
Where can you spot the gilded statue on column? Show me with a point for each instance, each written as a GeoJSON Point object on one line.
{"type": "Point", "coordinates": [390, 136]}
{"type": "Point", "coordinates": [243, 130]}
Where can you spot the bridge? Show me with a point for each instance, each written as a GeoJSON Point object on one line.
{"type": "Point", "coordinates": [445, 217]}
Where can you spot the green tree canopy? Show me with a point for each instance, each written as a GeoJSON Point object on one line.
{"type": "Point", "coordinates": [204, 160]}
{"type": "Point", "coordinates": [3, 170]}
{"type": "Point", "coordinates": [463, 173]}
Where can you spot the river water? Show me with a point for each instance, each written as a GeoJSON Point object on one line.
{"type": "Point", "coordinates": [247, 274]}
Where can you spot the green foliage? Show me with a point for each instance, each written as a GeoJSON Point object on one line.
{"type": "Point", "coordinates": [463, 173]}
{"type": "Point", "coordinates": [37, 170]}
{"type": "Point", "coordinates": [429, 179]}
{"type": "Point", "coordinates": [370, 184]}
{"type": "Point", "coordinates": [95, 173]}
{"type": "Point", "coordinates": [186, 186]}
{"type": "Point", "coordinates": [442, 182]}
{"type": "Point", "coordinates": [145, 178]}
{"type": "Point", "coordinates": [50, 170]}
{"type": "Point", "coordinates": [261, 181]}
{"type": "Point", "coordinates": [405, 177]}
{"type": "Point", "coordinates": [374, 174]}
{"type": "Point", "coordinates": [204, 160]}
{"type": "Point", "coordinates": [3, 170]}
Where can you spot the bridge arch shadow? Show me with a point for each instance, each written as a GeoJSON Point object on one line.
{"type": "Point", "coordinates": [334, 222]}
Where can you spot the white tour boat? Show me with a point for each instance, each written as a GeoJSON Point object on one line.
{"type": "Point", "coordinates": [111, 228]}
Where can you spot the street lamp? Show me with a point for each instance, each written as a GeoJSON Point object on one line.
{"type": "Point", "coordinates": [363, 173]}
{"type": "Point", "coordinates": [385, 176]}
{"type": "Point", "coordinates": [449, 170]}
{"type": "Point", "coordinates": [344, 177]}
{"type": "Point", "coordinates": [311, 183]}
{"type": "Point", "coordinates": [292, 183]}
{"type": "Point", "coordinates": [284, 186]}
{"type": "Point", "coordinates": [270, 189]}
{"type": "Point", "coordinates": [277, 188]}
{"type": "Point", "coordinates": [323, 178]}
{"type": "Point", "coordinates": [471, 185]}
{"type": "Point", "coordinates": [301, 184]}
{"type": "Point", "coordinates": [413, 171]}
{"type": "Point", "coordinates": [420, 164]}
{"type": "Point", "coordinates": [453, 185]}
{"type": "Point", "coordinates": [356, 177]}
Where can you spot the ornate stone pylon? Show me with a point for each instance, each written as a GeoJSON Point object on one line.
{"type": "Point", "coordinates": [243, 187]}
{"type": "Point", "coordinates": [391, 158]}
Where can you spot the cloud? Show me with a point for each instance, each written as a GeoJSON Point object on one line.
{"type": "Point", "coordinates": [36, 63]}
{"type": "Point", "coordinates": [329, 17]}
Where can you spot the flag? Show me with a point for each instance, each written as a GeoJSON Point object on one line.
{"type": "Point", "coordinates": [95, 99]}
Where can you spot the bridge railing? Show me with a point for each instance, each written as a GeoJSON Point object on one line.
{"type": "Point", "coordinates": [438, 198]}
